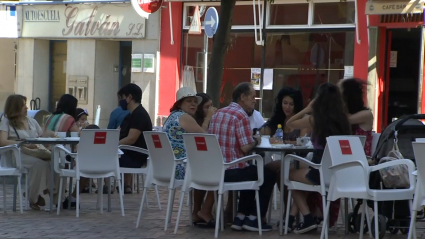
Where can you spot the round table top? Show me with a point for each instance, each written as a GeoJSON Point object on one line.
{"type": "Point", "coordinates": [295, 149]}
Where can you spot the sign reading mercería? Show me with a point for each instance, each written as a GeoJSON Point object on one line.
{"type": "Point", "coordinates": [387, 7]}
{"type": "Point", "coordinates": [82, 21]}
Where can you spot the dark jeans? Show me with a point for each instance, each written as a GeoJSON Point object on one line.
{"type": "Point", "coordinates": [247, 204]}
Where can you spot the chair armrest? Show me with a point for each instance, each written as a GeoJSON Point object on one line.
{"type": "Point", "coordinates": [133, 148]}
{"type": "Point", "coordinates": [60, 147]}
{"type": "Point", "coordinates": [287, 165]}
{"type": "Point", "coordinates": [56, 156]}
{"type": "Point", "coordinates": [260, 166]}
{"type": "Point", "coordinates": [243, 159]}
{"type": "Point", "coordinates": [16, 150]}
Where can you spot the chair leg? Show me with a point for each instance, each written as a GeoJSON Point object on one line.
{"type": "Point", "coordinates": [190, 206]}
{"type": "Point", "coordinates": [138, 183]}
{"type": "Point", "coordinates": [121, 198]}
{"type": "Point", "coordinates": [100, 192]}
{"type": "Point", "coordinates": [221, 214]}
{"type": "Point", "coordinates": [275, 197]}
{"type": "Point", "coordinates": [412, 227]}
{"type": "Point", "coordinates": [141, 206]}
{"type": "Point", "coordinates": [169, 207]}
{"type": "Point", "coordinates": [77, 205]}
{"type": "Point", "coordinates": [20, 194]}
{"type": "Point", "coordinates": [375, 209]}
{"type": "Point", "coordinates": [325, 220]}
{"type": "Point", "coordinates": [362, 220]}
{"type": "Point", "coordinates": [288, 208]}
{"type": "Point", "coordinates": [257, 201]}
{"type": "Point", "coordinates": [217, 216]}
{"type": "Point", "coordinates": [180, 211]}
{"type": "Point", "coordinates": [27, 202]}
{"type": "Point", "coordinates": [365, 211]}
{"type": "Point", "coordinates": [60, 196]}
{"type": "Point", "coordinates": [324, 206]}
{"type": "Point", "coordinates": [4, 194]}
{"type": "Point", "coordinates": [157, 197]}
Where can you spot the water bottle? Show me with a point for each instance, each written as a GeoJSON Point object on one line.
{"type": "Point", "coordinates": [279, 134]}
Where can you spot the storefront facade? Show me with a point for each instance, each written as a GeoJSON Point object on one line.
{"type": "Point", "coordinates": [86, 50]}
{"type": "Point", "coordinates": [392, 57]}
{"type": "Point", "coordinates": [306, 43]}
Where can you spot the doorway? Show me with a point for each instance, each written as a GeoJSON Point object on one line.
{"type": "Point", "coordinates": [402, 73]}
{"type": "Point", "coordinates": [125, 63]}
{"type": "Point", "coordinates": [58, 59]}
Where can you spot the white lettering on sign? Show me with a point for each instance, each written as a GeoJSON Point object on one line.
{"type": "Point", "coordinates": [393, 6]}
{"type": "Point", "coordinates": [42, 16]}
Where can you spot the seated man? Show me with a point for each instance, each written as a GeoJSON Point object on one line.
{"type": "Point", "coordinates": [232, 127]}
{"type": "Point", "coordinates": [131, 130]}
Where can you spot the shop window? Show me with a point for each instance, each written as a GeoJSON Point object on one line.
{"type": "Point", "coordinates": [334, 13]}
{"type": "Point", "coordinates": [242, 15]}
{"type": "Point", "coordinates": [289, 14]}
{"type": "Point", "coordinates": [304, 61]}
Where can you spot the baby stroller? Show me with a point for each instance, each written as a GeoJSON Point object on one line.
{"type": "Point", "coordinates": [393, 215]}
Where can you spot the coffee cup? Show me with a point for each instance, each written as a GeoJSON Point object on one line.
{"type": "Point", "coordinates": [61, 135]}
{"type": "Point", "coordinates": [74, 134]}
{"type": "Point", "coordinates": [303, 141]}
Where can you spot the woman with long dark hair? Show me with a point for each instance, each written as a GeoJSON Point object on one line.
{"type": "Point", "coordinates": [359, 116]}
{"type": "Point", "coordinates": [203, 107]}
{"type": "Point", "coordinates": [326, 117]}
{"type": "Point", "coordinates": [63, 119]}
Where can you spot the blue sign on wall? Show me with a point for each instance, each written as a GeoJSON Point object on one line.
{"type": "Point", "coordinates": [211, 22]}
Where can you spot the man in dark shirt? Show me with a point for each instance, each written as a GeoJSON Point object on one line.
{"type": "Point", "coordinates": [130, 97]}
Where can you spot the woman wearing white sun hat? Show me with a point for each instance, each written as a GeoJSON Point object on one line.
{"type": "Point", "coordinates": [180, 121]}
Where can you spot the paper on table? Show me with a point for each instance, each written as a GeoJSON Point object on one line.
{"type": "Point", "coordinates": [268, 79]}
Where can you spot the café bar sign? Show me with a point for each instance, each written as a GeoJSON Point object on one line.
{"type": "Point", "coordinates": [393, 7]}
{"type": "Point", "coordinates": [82, 21]}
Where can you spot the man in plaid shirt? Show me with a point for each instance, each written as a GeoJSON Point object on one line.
{"type": "Point", "coordinates": [232, 127]}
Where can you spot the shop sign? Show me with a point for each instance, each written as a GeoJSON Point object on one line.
{"type": "Point", "coordinates": [146, 7]}
{"type": "Point", "coordinates": [393, 7]}
{"type": "Point", "coordinates": [82, 21]}
{"type": "Point", "coordinates": [8, 22]}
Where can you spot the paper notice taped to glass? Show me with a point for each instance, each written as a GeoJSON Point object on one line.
{"type": "Point", "coordinates": [348, 71]}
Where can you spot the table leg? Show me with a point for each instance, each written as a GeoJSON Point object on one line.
{"type": "Point", "coordinates": [52, 178]}
{"type": "Point", "coordinates": [14, 193]}
{"type": "Point", "coordinates": [346, 215]}
{"type": "Point", "coordinates": [282, 155]}
{"type": "Point", "coordinates": [108, 182]}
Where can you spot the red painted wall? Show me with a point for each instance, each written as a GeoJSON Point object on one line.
{"type": "Point", "coordinates": [169, 69]}
{"type": "Point", "coordinates": [361, 51]}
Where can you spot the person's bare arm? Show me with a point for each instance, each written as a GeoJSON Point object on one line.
{"type": "Point", "coordinates": [188, 123]}
{"type": "Point", "coordinates": [248, 147]}
{"type": "Point", "coordinates": [363, 118]}
{"type": "Point", "coordinates": [131, 138]}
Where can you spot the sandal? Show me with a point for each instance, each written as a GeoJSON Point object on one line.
{"type": "Point", "coordinates": [127, 190]}
{"type": "Point", "coordinates": [209, 224]}
{"type": "Point", "coordinates": [41, 202]}
{"type": "Point", "coordinates": [199, 222]}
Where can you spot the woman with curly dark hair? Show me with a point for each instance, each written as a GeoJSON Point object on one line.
{"type": "Point", "coordinates": [289, 102]}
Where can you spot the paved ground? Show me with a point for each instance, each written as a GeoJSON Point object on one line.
{"type": "Point", "coordinates": [92, 224]}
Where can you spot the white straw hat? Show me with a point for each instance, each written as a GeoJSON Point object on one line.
{"type": "Point", "coordinates": [187, 92]}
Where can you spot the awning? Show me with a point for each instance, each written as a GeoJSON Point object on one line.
{"type": "Point", "coordinates": [394, 7]}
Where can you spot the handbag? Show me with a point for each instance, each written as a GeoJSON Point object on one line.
{"type": "Point", "coordinates": [40, 151]}
{"type": "Point", "coordinates": [396, 176]}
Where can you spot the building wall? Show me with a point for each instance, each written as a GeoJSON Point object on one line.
{"type": "Point", "coordinates": [81, 62]}
{"type": "Point", "coordinates": [7, 69]}
{"type": "Point", "coordinates": [107, 56]}
{"type": "Point", "coordinates": [41, 71]}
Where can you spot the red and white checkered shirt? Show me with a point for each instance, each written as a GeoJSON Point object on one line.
{"type": "Point", "coordinates": [232, 128]}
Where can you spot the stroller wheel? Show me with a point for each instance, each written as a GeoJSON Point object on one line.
{"type": "Point", "coordinates": [393, 230]}
{"type": "Point", "coordinates": [404, 231]}
{"type": "Point", "coordinates": [351, 223]}
{"type": "Point", "coordinates": [381, 226]}
{"type": "Point", "coordinates": [392, 227]}
{"type": "Point", "coordinates": [357, 224]}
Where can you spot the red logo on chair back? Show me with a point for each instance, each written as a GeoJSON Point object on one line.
{"type": "Point", "coordinates": [156, 141]}
{"type": "Point", "coordinates": [201, 145]}
{"type": "Point", "coordinates": [345, 147]}
{"type": "Point", "coordinates": [100, 138]}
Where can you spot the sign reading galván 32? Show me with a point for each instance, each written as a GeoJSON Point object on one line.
{"type": "Point", "coordinates": [82, 21]}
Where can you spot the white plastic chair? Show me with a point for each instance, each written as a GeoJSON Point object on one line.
{"type": "Point", "coordinates": [350, 150]}
{"type": "Point", "coordinates": [162, 170]}
{"type": "Point", "coordinates": [419, 199]}
{"type": "Point", "coordinates": [97, 157]}
{"type": "Point", "coordinates": [12, 171]}
{"type": "Point", "coordinates": [293, 185]}
{"type": "Point", "coordinates": [205, 171]}
{"type": "Point", "coordinates": [137, 171]}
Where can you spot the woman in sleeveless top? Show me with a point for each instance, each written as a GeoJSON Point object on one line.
{"type": "Point", "coordinates": [360, 117]}
{"type": "Point", "coordinates": [328, 117]}
{"type": "Point", "coordinates": [180, 121]}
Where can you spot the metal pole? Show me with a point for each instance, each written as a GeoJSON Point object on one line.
{"type": "Point", "coordinates": [204, 88]}
{"type": "Point", "coordinates": [263, 57]}
{"type": "Point", "coordinates": [421, 70]}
